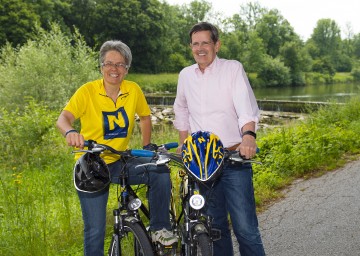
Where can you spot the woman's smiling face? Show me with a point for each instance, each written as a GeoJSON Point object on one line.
{"type": "Point", "coordinates": [114, 68]}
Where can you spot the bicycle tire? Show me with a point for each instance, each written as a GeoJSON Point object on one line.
{"type": "Point", "coordinates": [114, 249]}
{"type": "Point", "coordinates": [135, 242]}
{"type": "Point", "coordinates": [204, 247]}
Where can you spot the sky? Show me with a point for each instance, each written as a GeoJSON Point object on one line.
{"type": "Point", "coordinates": [301, 14]}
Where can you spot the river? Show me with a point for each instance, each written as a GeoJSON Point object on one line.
{"type": "Point", "coordinates": [286, 99]}
{"type": "Point", "coordinates": [312, 93]}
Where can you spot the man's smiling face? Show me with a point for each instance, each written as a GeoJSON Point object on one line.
{"type": "Point", "coordinates": [203, 48]}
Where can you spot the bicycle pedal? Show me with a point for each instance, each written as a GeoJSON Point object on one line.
{"type": "Point", "coordinates": [215, 234]}
{"type": "Point", "coordinates": [166, 250]}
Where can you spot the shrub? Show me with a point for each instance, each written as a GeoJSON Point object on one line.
{"type": "Point", "coordinates": [355, 73]}
{"type": "Point", "coordinates": [48, 69]}
{"type": "Point", "coordinates": [274, 73]}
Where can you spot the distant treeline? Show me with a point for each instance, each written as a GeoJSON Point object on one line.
{"type": "Point", "coordinates": [157, 32]}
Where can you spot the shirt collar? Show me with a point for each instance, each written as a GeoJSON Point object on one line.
{"type": "Point", "coordinates": [209, 69]}
{"type": "Point", "coordinates": [102, 87]}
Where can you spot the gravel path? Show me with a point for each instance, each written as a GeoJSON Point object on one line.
{"type": "Point", "coordinates": [317, 217]}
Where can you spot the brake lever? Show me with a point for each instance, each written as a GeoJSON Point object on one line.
{"type": "Point", "coordinates": [237, 158]}
{"type": "Point", "coordinates": [158, 162]}
{"type": "Point", "coordinates": [93, 150]}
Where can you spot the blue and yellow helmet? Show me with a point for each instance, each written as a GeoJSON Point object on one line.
{"type": "Point", "coordinates": [203, 155]}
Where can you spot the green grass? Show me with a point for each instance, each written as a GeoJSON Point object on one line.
{"type": "Point", "coordinates": [151, 83]}
{"type": "Point", "coordinates": [344, 77]}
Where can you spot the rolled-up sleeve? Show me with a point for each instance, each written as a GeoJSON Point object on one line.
{"type": "Point", "coordinates": [244, 100]}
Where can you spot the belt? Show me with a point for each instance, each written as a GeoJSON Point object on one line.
{"type": "Point", "coordinates": [233, 148]}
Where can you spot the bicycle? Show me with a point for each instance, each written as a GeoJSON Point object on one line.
{"type": "Point", "coordinates": [130, 236]}
{"type": "Point", "coordinates": [194, 227]}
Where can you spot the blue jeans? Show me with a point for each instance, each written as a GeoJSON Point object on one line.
{"type": "Point", "coordinates": [233, 193]}
{"type": "Point", "coordinates": [93, 205]}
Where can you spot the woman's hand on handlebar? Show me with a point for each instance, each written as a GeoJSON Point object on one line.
{"type": "Point", "coordinates": [75, 139]}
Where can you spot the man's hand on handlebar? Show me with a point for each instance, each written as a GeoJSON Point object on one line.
{"type": "Point", "coordinates": [247, 148]}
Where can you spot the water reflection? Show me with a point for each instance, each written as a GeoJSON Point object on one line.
{"type": "Point", "coordinates": [317, 93]}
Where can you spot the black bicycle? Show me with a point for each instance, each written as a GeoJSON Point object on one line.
{"type": "Point", "coordinates": [194, 227]}
{"type": "Point", "coordinates": [130, 236]}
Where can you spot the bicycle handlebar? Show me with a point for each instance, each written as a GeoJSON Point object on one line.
{"type": "Point", "coordinates": [170, 145]}
{"type": "Point", "coordinates": [95, 147]}
{"type": "Point", "coordinates": [161, 153]}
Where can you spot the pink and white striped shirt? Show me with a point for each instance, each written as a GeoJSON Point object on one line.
{"type": "Point", "coordinates": [220, 100]}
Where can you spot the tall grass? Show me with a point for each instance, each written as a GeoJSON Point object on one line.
{"type": "Point", "coordinates": [39, 214]}
{"type": "Point", "coordinates": [323, 141]}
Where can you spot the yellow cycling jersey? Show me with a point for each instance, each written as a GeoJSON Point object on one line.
{"type": "Point", "coordinates": [104, 120]}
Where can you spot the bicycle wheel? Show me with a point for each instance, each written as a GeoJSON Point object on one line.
{"type": "Point", "coordinates": [114, 249]}
{"type": "Point", "coordinates": [204, 246]}
{"type": "Point", "coordinates": [135, 242]}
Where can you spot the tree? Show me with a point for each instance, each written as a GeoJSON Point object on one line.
{"type": "Point", "coordinates": [324, 65]}
{"type": "Point", "coordinates": [274, 31]}
{"type": "Point", "coordinates": [254, 52]}
{"type": "Point", "coordinates": [356, 43]}
{"type": "Point", "coordinates": [326, 42]}
{"type": "Point", "coordinates": [17, 21]}
{"type": "Point", "coordinates": [191, 14]}
{"type": "Point", "coordinates": [138, 23]}
{"type": "Point", "coordinates": [294, 56]}
{"type": "Point", "coordinates": [249, 16]}
{"type": "Point", "coordinates": [175, 53]}
{"type": "Point", "coordinates": [80, 15]}
{"type": "Point", "coordinates": [326, 36]}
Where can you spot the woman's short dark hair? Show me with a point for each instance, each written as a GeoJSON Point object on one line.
{"type": "Point", "coordinates": [205, 26]}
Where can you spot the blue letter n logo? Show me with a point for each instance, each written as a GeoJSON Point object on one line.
{"type": "Point", "coordinates": [116, 124]}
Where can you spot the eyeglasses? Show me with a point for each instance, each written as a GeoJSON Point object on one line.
{"type": "Point", "coordinates": [201, 44]}
{"type": "Point", "coordinates": [114, 65]}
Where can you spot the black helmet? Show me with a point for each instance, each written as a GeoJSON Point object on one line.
{"type": "Point", "coordinates": [91, 173]}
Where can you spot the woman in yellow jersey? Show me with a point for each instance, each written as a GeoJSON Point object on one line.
{"type": "Point", "coordinates": [106, 109]}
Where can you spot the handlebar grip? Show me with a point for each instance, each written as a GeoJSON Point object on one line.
{"type": "Point", "coordinates": [86, 143]}
{"type": "Point", "coordinates": [142, 153]}
{"type": "Point", "coordinates": [171, 145]}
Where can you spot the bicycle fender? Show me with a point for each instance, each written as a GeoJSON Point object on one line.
{"type": "Point", "coordinates": [131, 219]}
{"type": "Point", "coordinates": [200, 228]}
